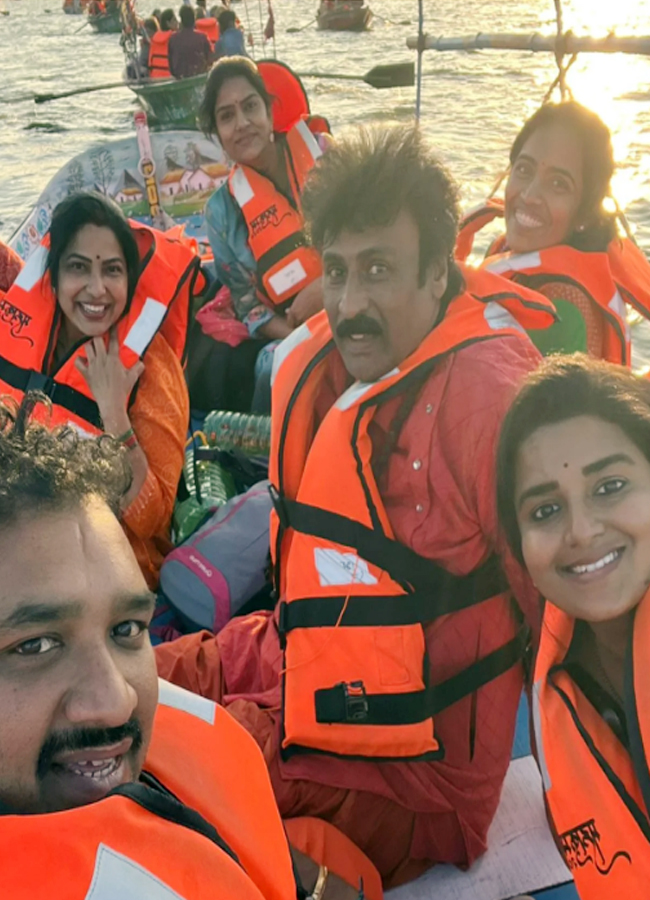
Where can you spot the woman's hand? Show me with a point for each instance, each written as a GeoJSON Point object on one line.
{"type": "Point", "coordinates": [110, 382]}
{"type": "Point", "coordinates": [308, 302]}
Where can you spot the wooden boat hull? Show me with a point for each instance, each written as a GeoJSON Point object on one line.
{"type": "Point", "coordinates": [344, 17]}
{"type": "Point", "coordinates": [105, 24]}
{"type": "Point", "coordinates": [171, 103]}
{"type": "Point", "coordinates": [188, 169]}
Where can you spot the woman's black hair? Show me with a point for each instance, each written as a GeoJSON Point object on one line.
{"type": "Point", "coordinates": [565, 387]}
{"type": "Point", "coordinates": [223, 70]}
{"type": "Point", "coordinates": [89, 208]}
{"type": "Point", "coordinates": [597, 166]}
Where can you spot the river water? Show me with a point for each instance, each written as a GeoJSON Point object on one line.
{"type": "Point", "coordinates": [473, 103]}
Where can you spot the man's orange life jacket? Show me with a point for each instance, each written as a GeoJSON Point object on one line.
{"type": "Point", "coordinates": [285, 264]}
{"type": "Point", "coordinates": [159, 55]}
{"type": "Point", "coordinates": [611, 279]}
{"type": "Point", "coordinates": [208, 27]}
{"type": "Point", "coordinates": [201, 823]}
{"type": "Point", "coordinates": [353, 599]}
{"type": "Point", "coordinates": [597, 793]}
{"type": "Point", "coordinates": [30, 320]}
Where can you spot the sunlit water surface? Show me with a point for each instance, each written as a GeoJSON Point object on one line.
{"type": "Point", "coordinates": [473, 103]}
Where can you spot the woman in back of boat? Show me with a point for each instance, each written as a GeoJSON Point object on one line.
{"type": "Point", "coordinates": [560, 240]}
{"type": "Point", "coordinates": [574, 501]}
{"type": "Point", "coordinates": [99, 324]}
{"type": "Point", "coordinates": [254, 220]}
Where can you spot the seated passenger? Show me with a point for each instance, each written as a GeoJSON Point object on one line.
{"type": "Point", "coordinates": [386, 409]}
{"type": "Point", "coordinates": [150, 27]}
{"type": "Point", "coordinates": [168, 20]}
{"type": "Point", "coordinates": [231, 41]}
{"type": "Point", "coordinates": [258, 210]}
{"type": "Point", "coordinates": [574, 499]}
{"type": "Point", "coordinates": [559, 240]}
{"type": "Point", "coordinates": [190, 52]}
{"type": "Point", "coordinates": [103, 337]}
{"type": "Point", "coordinates": [113, 784]}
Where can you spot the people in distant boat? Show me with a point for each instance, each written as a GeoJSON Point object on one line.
{"type": "Point", "coordinates": [560, 240]}
{"type": "Point", "coordinates": [148, 29]}
{"type": "Point", "coordinates": [386, 410]}
{"type": "Point", "coordinates": [159, 46]}
{"type": "Point", "coordinates": [201, 9]}
{"type": "Point", "coordinates": [190, 52]}
{"type": "Point", "coordinates": [10, 266]}
{"type": "Point", "coordinates": [258, 209]}
{"type": "Point", "coordinates": [574, 500]}
{"type": "Point", "coordinates": [191, 812]}
{"type": "Point", "coordinates": [231, 40]}
{"type": "Point", "coordinates": [104, 339]}
{"type": "Point", "coordinates": [168, 20]}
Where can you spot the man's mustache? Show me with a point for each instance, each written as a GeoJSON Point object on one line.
{"type": "Point", "coordinates": [86, 739]}
{"type": "Point", "coordinates": [359, 325]}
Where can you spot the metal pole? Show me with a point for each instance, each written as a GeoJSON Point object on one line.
{"type": "Point", "coordinates": [420, 47]}
{"type": "Point", "coordinates": [536, 43]}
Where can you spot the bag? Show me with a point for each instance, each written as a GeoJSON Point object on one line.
{"type": "Point", "coordinates": [222, 565]}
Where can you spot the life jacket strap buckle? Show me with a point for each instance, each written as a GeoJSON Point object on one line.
{"type": "Point", "coordinates": [39, 382]}
{"type": "Point", "coordinates": [279, 507]}
{"type": "Point", "coordinates": [356, 700]}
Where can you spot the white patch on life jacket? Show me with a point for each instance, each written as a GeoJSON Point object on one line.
{"type": "Point", "coordinates": [539, 738]}
{"type": "Point", "coordinates": [145, 326]}
{"type": "Point", "coordinates": [178, 698]}
{"type": "Point", "coordinates": [334, 567]}
{"type": "Point", "coordinates": [240, 187]}
{"type": "Point", "coordinates": [498, 317]}
{"type": "Point", "coordinates": [297, 337]}
{"type": "Point", "coordinates": [310, 141]}
{"type": "Point", "coordinates": [359, 389]}
{"type": "Point", "coordinates": [33, 270]}
{"type": "Point", "coordinates": [515, 263]}
{"type": "Point", "coordinates": [83, 434]}
{"type": "Point", "coordinates": [116, 876]}
{"type": "Point", "coordinates": [288, 277]}
{"type": "Point", "coordinates": [617, 306]}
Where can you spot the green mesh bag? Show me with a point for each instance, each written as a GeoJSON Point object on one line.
{"type": "Point", "coordinates": [209, 485]}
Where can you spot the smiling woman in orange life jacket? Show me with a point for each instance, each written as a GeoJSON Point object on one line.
{"type": "Point", "coordinates": [254, 220]}
{"type": "Point", "coordinates": [559, 239]}
{"type": "Point", "coordinates": [87, 321]}
{"type": "Point", "coordinates": [574, 499]}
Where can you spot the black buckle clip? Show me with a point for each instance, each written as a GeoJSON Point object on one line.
{"type": "Point", "coordinates": [279, 507]}
{"type": "Point", "coordinates": [39, 382]}
{"type": "Point", "coordinates": [356, 700]}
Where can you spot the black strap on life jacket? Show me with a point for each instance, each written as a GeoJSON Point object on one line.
{"type": "Point", "coordinates": [60, 394]}
{"type": "Point", "coordinates": [348, 702]}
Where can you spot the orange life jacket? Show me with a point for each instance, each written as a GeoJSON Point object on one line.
{"type": "Point", "coordinates": [202, 822]}
{"type": "Point", "coordinates": [285, 264]}
{"type": "Point", "coordinates": [353, 599]}
{"type": "Point", "coordinates": [208, 27]}
{"type": "Point", "coordinates": [611, 279]}
{"type": "Point", "coordinates": [30, 319]}
{"type": "Point", "coordinates": [159, 55]}
{"type": "Point", "coordinates": [598, 794]}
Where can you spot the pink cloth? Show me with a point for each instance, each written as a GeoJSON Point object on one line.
{"type": "Point", "coordinates": [217, 319]}
{"type": "Point", "coordinates": [445, 510]}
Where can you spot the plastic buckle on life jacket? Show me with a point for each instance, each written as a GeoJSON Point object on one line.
{"type": "Point", "coordinates": [39, 382]}
{"type": "Point", "coordinates": [356, 700]}
{"type": "Point", "coordinates": [278, 506]}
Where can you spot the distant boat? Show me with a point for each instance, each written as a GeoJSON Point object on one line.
{"type": "Point", "coordinates": [106, 23]}
{"type": "Point", "coordinates": [74, 7]}
{"type": "Point", "coordinates": [170, 103]}
{"type": "Point", "coordinates": [343, 15]}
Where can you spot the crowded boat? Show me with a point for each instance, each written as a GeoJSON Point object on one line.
{"type": "Point", "coordinates": [312, 513]}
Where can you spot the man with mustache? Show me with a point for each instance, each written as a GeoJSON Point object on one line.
{"type": "Point", "coordinates": [384, 688]}
{"type": "Point", "coordinates": [111, 784]}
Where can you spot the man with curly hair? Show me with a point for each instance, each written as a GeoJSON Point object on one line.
{"type": "Point", "coordinates": [111, 783]}
{"type": "Point", "coordinates": [384, 689]}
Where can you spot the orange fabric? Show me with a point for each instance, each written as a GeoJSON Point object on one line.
{"type": "Point", "coordinates": [212, 768]}
{"type": "Point", "coordinates": [159, 417]}
{"type": "Point", "coordinates": [208, 27]}
{"type": "Point", "coordinates": [290, 101]}
{"type": "Point", "coordinates": [272, 220]}
{"type": "Point", "coordinates": [159, 55]}
{"type": "Point", "coordinates": [10, 266]}
{"type": "Point", "coordinates": [327, 846]}
{"type": "Point", "coordinates": [593, 785]}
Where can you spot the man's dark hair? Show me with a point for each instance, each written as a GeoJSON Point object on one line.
{"type": "Point", "coordinates": [187, 17]}
{"type": "Point", "coordinates": [165, 19]}
{"type": "Point", "coordinates": [88, 208]}
{"type": "Point", "coordinates": [221, 72]}
{"type": "Point", "coordinates": [565, 387]}
{"type": "Point", "coordinates": [368, 179]}
{"type": "Point", "coordinates": [598, 166]}
{"type": "Point", "coordinates": [46, 470]}
{"type": "Point", "coordinates": [227, 19]}
{"type": "Point", "coordinates": [151, 25]}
